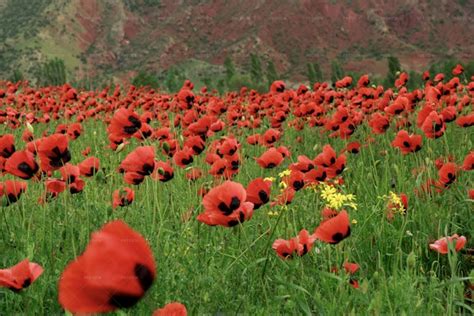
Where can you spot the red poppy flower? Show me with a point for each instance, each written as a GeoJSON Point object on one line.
{"type": "Point", "coordinates": [465, 120]}
{"type": "Point", "coordinates": [53, 152]}
{"type": "Point", "coordinates": [253, 139]}
{"type": "Point", "coordinates": [89, 166]}
{"type": "Point", "coordinates": [226, 205]}
{"type": "Point", "coordinates": [295, 180]}
{"type": "Point", "coordinates": [270, 137]}
{"type": "Point", "coordinates": [141, 161]}
{"type": "Point", "coordinates": [285, 248]}
{"type": "Point", "coordinates": [303, 164]}
{"type": "Point", "coordinates": [22, 164]}
{"type": "Point", "coordinates": [163, 171]}
{"type": "Point", "coordinates": [219, 167]}
{"type": "Point", "coordinates": [277, 87]}
{"type": "Point", "coordinates": [407, 143]}
{"type": "Point", "coordinates": [379, 123]}
{"type": "Point", "coordinates": [457, 70]}
{"type": "Point", "coordinates": [284, 198]}
{"type": "Point", "coordinates": [270, 159]}
{"type": "Point", "coordinates": [193, 174]}
{"type": "Point", "coordinates": [54, 187]}
{"type": "Point", "coordinates": [196, 144]}
{"type": "Point", "coordinates": [468, 163]}
{"type": "Point", "coordinates": [353, 147]}
{"type": "Point", "coordinates": [77, 186]}
{"type": "Point", "coordinates": [447, 174]}
{"type": "Point", "coordinates": [69, 173]}
{"type": "Point", "coordinates": [434, 125]}
{"type": "Point", "coordinates": [115, 271]}
{"type": "Point", "coordinates": [183, 157]}
{"type": "Point", "coordinates": [335, 229]}
{"type": "Point", "coordinates": [441, 245]}
{"type": "Point", "coordinates": [124, 123]}
{"type": "Point", "coordinates": [228, 147]}
{"type": "Point", "coordinates": [327, 158]}
{"type": "Point", "coordinates": [299, 245]}
{"type": "Point", "coordinates": [7, 145]}
{"type": "Point", "coordinates": [20, 276]}
{"type": "Point", "coordinates": [171, 309]}
{"type": "Point", "coordinates": [122, 197]}
{"type": "Point", "coordinates": [315, 176]}
{"type": "Point", "coordinates": [12, 190]}
{"type": "Point", "coordinates": [258, 192]}
{"type": "Point", "coordinates": [74, 130]}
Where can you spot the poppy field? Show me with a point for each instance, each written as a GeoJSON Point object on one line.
{"type": "Point", "coordinates": [344, 199]}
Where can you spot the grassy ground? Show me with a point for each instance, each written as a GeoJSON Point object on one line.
{"type": "Point", "coordinates": [227, 271]}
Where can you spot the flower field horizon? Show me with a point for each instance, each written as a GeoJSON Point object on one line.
{"type": "Point", "coordinates": [323, 200]}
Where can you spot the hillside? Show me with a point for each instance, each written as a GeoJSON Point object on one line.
{"type": "Point", "coordinates": [99, 38]}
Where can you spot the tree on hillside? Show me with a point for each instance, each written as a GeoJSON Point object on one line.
{"type": "Point", "coordinates": [336, 71]}
{"type": "Point", "coordinates": [255, 68]}
{"type": "Point", "coordinates": [314, 73]}
{"type": "Point", "coordinates": [52, 72]}
{"type": "Point", "coordinates": [144, 79]}
{"type": "Point", "coordinates": [272, 74]}
{"type": "Point", "coordinates": [16, 76]}
{"type": "Point", "coordinates": [229, 69]}
{"type": "Point", "coordinates": [393, 67]}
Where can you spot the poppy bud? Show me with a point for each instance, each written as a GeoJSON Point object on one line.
{"type": "Point", "coordinates": [166, 147]}
{"type": "Point", "coordinates": [30, 127]}
{"type": "Point", "coordinates": [411, 260]}
{"type": "Point", "coordinates": [120, 147]}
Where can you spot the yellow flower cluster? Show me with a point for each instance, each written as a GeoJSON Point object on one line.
{"type": "Point", "coordinates": [395, 203]}
{"type": "Point", "coordinates": [336, 200]}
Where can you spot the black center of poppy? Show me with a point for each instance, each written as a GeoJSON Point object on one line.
{"type": "Point", "coordinates": [263, 196]}
{"type": "Point", "coordinates": [123, 300]}
{"type": "Point", "coordinates": [147, 169]}
{"type": "Point", "coordinates": [322, 176]}
{"type": "Point", "coordinates": [438, 127]}
{"type": "Point", "coordinates": [197, 149]}
{"type": "Point", "coordinates": [297, 185]}
{"type": "Point", "coordinates": [187, 161]}
{"type": "Point", "coordinates": [58, 158]}
{"type": "Point", "coordinates": [333, 160]}
{"type": "Point", "coordinates": [271, 165]}
{"type": "Point", "coordinates": [27, 169]}
{"type": "Point", "coordinates": [227, 210]}
{"type": "Point", "coordinates": [144, 275]}
{"type": "Point", "coordinates": [26, 283]}
{"type": "Point", "coordinates": [406, 144]}
{"type": "Point", "coordinates": [338, 237]}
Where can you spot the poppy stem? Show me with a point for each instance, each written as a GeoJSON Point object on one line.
{"type": "Point", "coordinates": [268, 247]}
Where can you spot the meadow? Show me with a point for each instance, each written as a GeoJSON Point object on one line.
{"type": "Point", "coordinates": [311, 201]}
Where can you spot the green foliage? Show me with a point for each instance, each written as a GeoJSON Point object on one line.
{"type": "Point", "coordinates": [414, 80]}
{"type": "Point", "coordinates": [144, 79]}
{"type": "Point", "coordinates": [52, 72]}
{"type": "Point", "coordinates": [314, 73]}
{"type": "Point", "coordinates": [173, 79]}
{"type": "Point", "coordinates": [17, 76]}
{"type": "Point", "coordinates": [256, 72]}
{"type": "Point", "coordinates": [336, 71]}
{"type": "Point", "coordinates": [393, 67]}
{"type": "Point", "coordinates": [272, 74]}
{"type": "Point", "coordinates": [229, 68]}
{"type": "Point", "coordinates": [238, 81]}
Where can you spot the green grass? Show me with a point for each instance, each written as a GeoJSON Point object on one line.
{"type": "Point", "coordinates": [229, 271]}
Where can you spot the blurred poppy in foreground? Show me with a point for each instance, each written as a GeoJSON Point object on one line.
{"type": "Point", "coordinates": [20, 276]}
{"type": "Point", "coordinates": [115, 271]}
